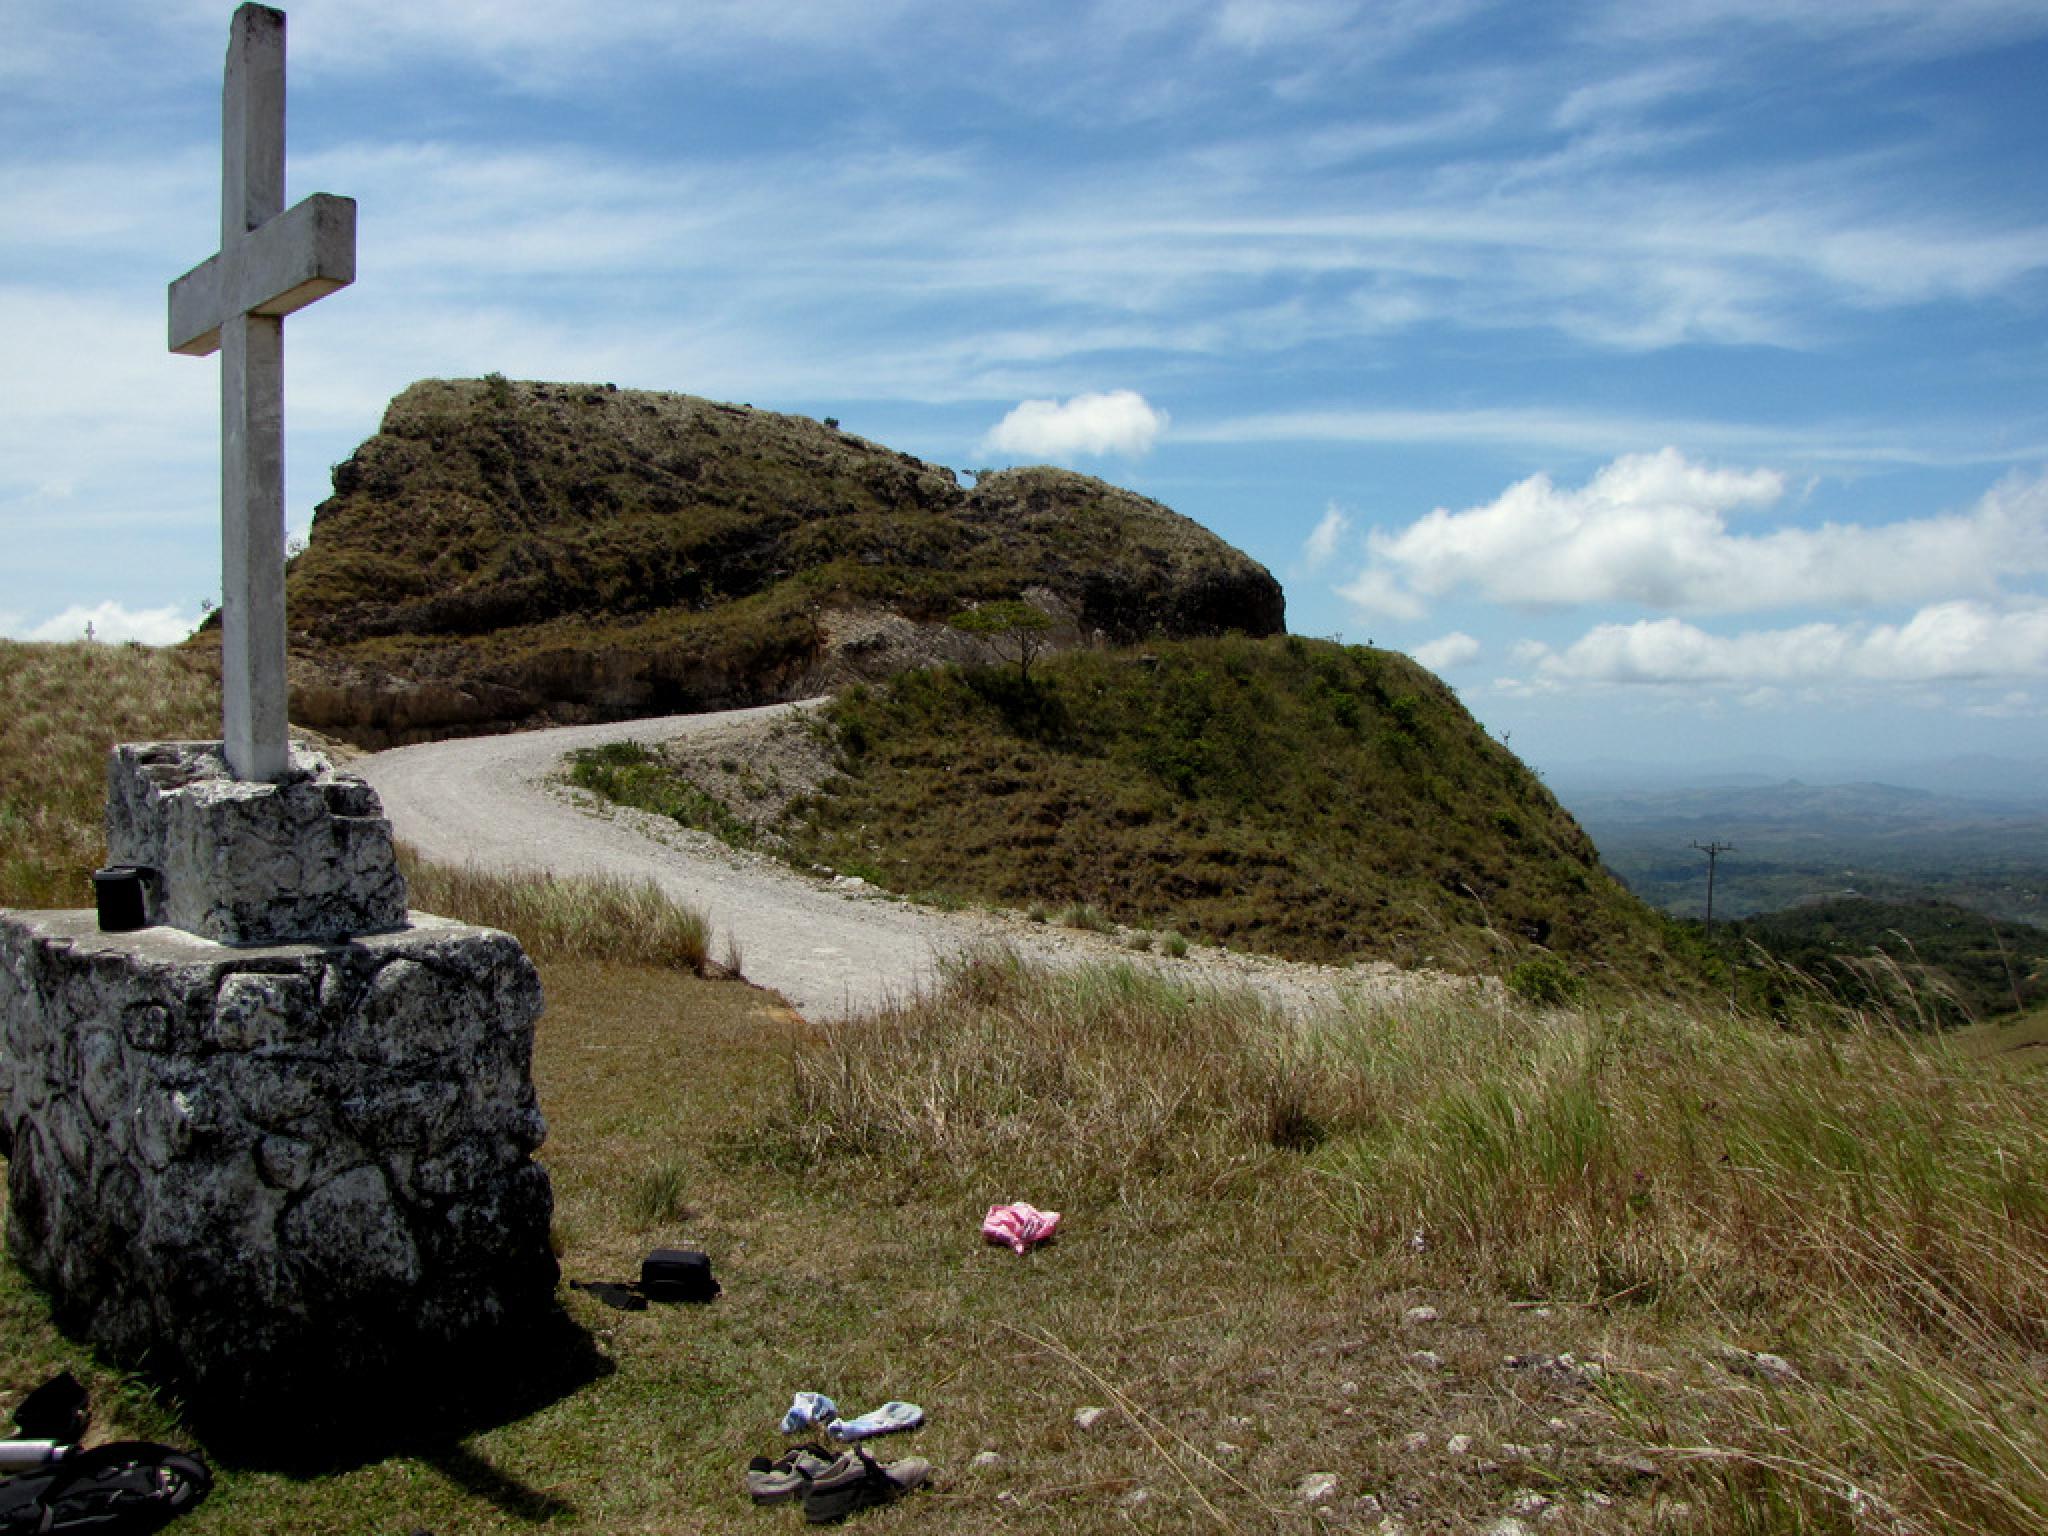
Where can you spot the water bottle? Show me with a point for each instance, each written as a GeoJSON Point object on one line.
{"type": "Point", "coordinates": [28, 1455]}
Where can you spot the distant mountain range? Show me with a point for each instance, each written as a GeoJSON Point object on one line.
{"type": "Point", "coordinates": [2015, 783]}
{"type": "Point", "coordinates": [1795, 841]}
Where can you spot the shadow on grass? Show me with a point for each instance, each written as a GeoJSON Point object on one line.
{"type": "Point", "coordinates": [423, 1409]}
{"type": "Point", "coordinates": [463, 1467]}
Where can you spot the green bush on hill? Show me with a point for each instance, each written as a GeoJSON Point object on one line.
{"type": "Point", "coordinates": [1287, 795]}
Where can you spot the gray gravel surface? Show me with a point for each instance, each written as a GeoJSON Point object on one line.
{"type": "Point", "coordinates": [833, 950]}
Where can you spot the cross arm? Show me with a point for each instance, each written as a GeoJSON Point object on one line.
{"type": "Point", "coordinates": [303, 254]}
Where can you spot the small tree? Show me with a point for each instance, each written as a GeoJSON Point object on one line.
{"type": "Point", "coordinates": [1012, 624]}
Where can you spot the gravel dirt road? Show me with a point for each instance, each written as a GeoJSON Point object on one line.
{"type": "Point", "coordinates": [833, 951]}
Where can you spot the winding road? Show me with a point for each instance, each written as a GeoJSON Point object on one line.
{"type": "Point", "coordinates": [832, 950]}
{"type": "Point", "coordinates": [497, 802]}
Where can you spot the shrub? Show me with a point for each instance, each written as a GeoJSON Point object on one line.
{"type": "Point", "coordinates": [655, 1197]}
{"type": "Point", "coordinates": [1083, 915]}
{"type": "Point", "coordinates": [1544, 980]}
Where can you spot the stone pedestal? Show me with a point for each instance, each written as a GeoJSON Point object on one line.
{"type": "Point", "coordinates": [308, 858]}
{"type": "Point", "coordinates": [262, 1171]}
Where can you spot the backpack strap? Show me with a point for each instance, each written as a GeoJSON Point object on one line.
{"type": "Point", "coordinates": [125, 1488]}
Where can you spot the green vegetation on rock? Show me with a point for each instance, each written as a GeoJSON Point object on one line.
{"type": "Point", "coordinates": [504, 554]}
{"type": "Point", "coordinates": [1283, 795]}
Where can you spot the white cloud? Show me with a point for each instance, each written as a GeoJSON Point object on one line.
{"type": "Point", "coordinates": [1320, 548]}
{"type": "Point", "coordinates": [1652, 530]}
{"type": "Point", "coordinates": [110, 621]}
{"type": "Point", "coordinates": [1120, 421]}
{"type": "Point", "coordinates": [1942, 643]}
{"type": "Point", "coordinates": [1377, 592]}
{"type": "Point", "coordinates": [1447, 651]}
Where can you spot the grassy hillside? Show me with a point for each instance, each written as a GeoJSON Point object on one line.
{"type": "Point", "coordinates": [62, 707]}
{"type": "Point", "coordinates": [504, 553]}
{"type": "Point", "coordinates": [1285, 795]}
{"type": "Point", "coordinates": [1613, 1271]}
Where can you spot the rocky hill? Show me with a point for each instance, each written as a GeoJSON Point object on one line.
{"type": "Point", "coordinates": [507, 554]}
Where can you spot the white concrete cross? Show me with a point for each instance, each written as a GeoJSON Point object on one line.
{"type": "Point", "coordinates": [270, 263]}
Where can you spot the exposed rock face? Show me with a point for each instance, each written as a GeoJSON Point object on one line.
{"type": "Point", "coordinates": [503, 554]}
{"type": "Point", "coordinates": [265, 1172]}
{"type": "Point", "coordinates": [252, 863]}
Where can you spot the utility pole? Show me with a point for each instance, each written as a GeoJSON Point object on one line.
{"type": "Point", "coordinates": [1713, 851]}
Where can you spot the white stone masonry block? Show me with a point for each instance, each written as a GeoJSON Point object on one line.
{"type": "Point", "coordinates": [308, 859]}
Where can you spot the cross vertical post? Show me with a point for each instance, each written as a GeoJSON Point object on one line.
{"type": "Point", "coordinates": [271, 262]}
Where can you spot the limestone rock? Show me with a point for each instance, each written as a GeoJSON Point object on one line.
{"type": "Point", "coordinates": [309, 859]}
{"type": "Point", "coordinates": [565, 553]}
{"type": "Point", "coordinates": [1316, 1488]}
{"type": "Point", "coordinates": [262, 1170]}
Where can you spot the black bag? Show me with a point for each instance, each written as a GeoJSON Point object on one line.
{"type": "Point", "coordinates": [57, 1410]}
{"type": "Point", "coordinates": [125, 1488]}
{"type": "Point", "coordinates": [677, 1274]}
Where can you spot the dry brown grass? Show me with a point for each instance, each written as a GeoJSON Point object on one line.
{"type": "Point", "coordinates": [1243, 1199]}
{"type": "Point", "coordinates": [62, 707]}
{"type": "Point", "coordinates": [1654, 1185]}
{"type": "Point", "coordinates": [557, 918]}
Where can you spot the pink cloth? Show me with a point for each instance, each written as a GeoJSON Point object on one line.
{"type": "Point", "coordinates": [1021, 1226]}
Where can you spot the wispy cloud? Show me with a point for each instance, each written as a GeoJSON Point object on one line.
{"type": "Point", "coordinates": [1914, 27]}
{"type": "Point", "coordinates": [1326, 538]}
{"type": "Point", "coordinates": [1549, 430]}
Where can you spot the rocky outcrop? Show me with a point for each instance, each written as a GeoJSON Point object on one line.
{"type": "Point", "coordinates": [504, 554]}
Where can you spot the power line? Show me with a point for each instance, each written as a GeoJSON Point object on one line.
{"type": "Point", "coordinates": [1713, 851]}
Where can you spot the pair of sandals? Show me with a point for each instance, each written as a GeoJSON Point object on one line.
{"type": "Point", "coordinates": [832, 1486]}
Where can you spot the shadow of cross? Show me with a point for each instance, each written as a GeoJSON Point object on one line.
{"type": "Point", "coordinates": [270, 263]}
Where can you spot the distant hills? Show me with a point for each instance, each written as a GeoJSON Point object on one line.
{"type": "Point", "coordinates": [505, 554]}
{"type": "Point", "coordinates": [2006, 783]}
{"type": "Point", "coordinates": [1796, 842]}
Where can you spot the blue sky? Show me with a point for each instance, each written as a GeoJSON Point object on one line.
{"type": "Point", "coordinates": [1667, 374]}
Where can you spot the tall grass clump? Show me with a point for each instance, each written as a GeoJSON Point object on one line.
{"type": "Point", "coordinates": [1668, 1152]}
{"type": "Point", "coordinates": [565, 918]}
{"type": "Point", "coordinates": [1866, 1196]}
{"type": "Point", "coordinates": [65, 706]}
{"type": "Point", "coordinates": [1096, 1079]}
